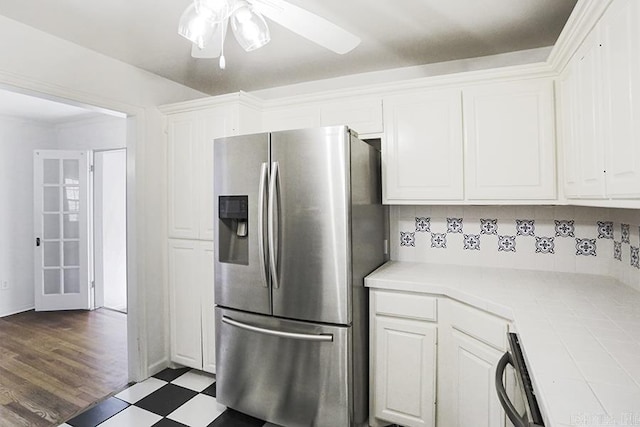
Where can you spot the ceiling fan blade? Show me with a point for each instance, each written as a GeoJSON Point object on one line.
{"type": "Point", "coordinates": [307, 25]}
{"type": "Point", "coordinates": [213, 47]}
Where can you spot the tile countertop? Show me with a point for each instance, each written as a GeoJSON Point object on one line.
{"type": "Point", "coordinates": [580, 333]}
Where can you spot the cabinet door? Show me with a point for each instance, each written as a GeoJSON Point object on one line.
{"type": "Point", "coordinates": [621, 80]}
{"type": "Point", "coordinates": [422, 147]}
{"type": "Point", "coordinates": [291, 118]}
{"type": "Point", "coordinates": [472, 398]}
{"type": "Point", "coordinates": [588, 109]}
{"type": "Point", "coordinates": [363, 116]}
{"type": "Point", "coordinates": [182, 153]}
{"type": "Point", "coordinates": [404, 379]}
{"type": "Point", "coordinates": [214, 123]}
{"type": "Point", "coordinates": [510, 141]}
{"type": "Point", "coordinates": [184, 303]}
{"type": "Point", "coordinates": [208, 301]}
{"type": "Point", "coordinates": [567, 127]}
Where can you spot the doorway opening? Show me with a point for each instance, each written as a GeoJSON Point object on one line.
{"type": "Point", "coordinates": [100, 335]}
{"type": "Point", "coordinates": [110, 229]}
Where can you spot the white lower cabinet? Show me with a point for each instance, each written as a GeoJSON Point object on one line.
{"type": "Point", "coordinates": [471, 343]}
{"type": "Point", "coordinates": [403, 361]}
{"type": "Point", "coordinates": [432, 355]}
{"type": "Point", "coordinates": [468, 394]}
{"type": "Point", "coordinates": [191, 303]}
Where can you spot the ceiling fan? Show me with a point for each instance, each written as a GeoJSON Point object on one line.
{"type": "Point", "coordinates": [205, 23]}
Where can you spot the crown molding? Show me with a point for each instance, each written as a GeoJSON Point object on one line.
{"type": "Point", "coordinates": [516, 72]}
{"type": "Point", "coordinates": [458, 79]}
{"type": "Point", "coordinates": [584, 17]}
{"type": "Point", "coordinates": [581, 21]}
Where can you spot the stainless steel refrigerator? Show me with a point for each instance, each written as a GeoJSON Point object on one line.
{"type": "Point", "coordinates": [298, 224]}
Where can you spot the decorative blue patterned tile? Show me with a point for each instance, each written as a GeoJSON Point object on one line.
{"type": "Point", "coordinates": [525, 227]}
{"type": "Point", "coordinates": [407, 238]}
{"type": "Point", "coordinates": [472, 242]}
{"type": "Point", "coordinates": [565, 228]}
{"type": "Point", "coordinates": [423, 224]}
{"type": "Point", "coordinates": [454, 225]}
{"type": "Point", "coordinates": [545, 245]}
{"type": "Point", "coordinates": [617, 251]}
{"type": "Point", "coordinates": [635, 257]}
{"type": "Point", "coordinates": [586, 247]}
{"type": "Point", "coordinates": [624, 229]}
{"type": "Point", "coordinates": [605, 230]}
{"type": "Point", "coordinates": [507, 243]}
{"type": "Point", "coordinates": [439, 240]}
{"type": "Point", "coordinates": [489, 226]}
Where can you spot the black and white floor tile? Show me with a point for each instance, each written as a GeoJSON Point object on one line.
{"type": "Point", "coordinates": [171, 398]}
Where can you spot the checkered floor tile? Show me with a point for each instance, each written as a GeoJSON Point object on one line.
{"type": "Point", "coordinates": [171, 398]}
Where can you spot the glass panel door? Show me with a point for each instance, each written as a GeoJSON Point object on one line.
{"type": "Point", "coordinates": [61, 230]}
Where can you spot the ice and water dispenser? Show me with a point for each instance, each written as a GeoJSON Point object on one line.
{"type": "Point", "coordinates": [233, 217]}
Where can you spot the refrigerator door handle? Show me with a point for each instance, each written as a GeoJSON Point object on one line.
{"type": "Point", "coordinates": [282, 334]}
{"type": "Point", "coordinates": [273, 225]}
{"type": "Point", "coordinates": [261, 218]}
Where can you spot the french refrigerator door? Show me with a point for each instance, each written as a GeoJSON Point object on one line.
{"type": "Point", "coordinates": [290, 373]}
{"type": "Point", "coordinates": [240, 195]}
{"type": "Point", "coordinates": [309, 233]}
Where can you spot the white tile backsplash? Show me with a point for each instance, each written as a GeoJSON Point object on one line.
{"type": "Point", "coordinates": [562, 256]}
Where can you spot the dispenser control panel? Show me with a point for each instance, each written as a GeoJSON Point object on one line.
{"type": "Point", "coordinates": [233, 207]}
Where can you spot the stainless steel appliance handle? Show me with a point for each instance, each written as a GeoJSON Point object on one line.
{"type": "Point", "coordinates": [261, 218]}
{"type": "Point", "coordinates": [282, 334]}
{"type": "Point", "coordinates": [272, 225]}
{"type": "Point", "coordinates": [509, 409]}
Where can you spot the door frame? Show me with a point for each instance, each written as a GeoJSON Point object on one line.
{"type": "Point", "coordinates": [98, 288]}
{"type": "Point", "coordinates": [137, 346]}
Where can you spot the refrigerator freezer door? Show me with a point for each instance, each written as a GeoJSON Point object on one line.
{"type": "Point", "coordinates": [241, 276]}
{"type": "Point", "coordinates": [290, 373]}
{"type": "Point", "coordinates": [311, 225]}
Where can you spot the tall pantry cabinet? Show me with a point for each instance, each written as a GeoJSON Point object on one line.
{"type": "Point", "coordinates": [191, 129]}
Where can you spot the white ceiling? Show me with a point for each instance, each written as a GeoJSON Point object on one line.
{"type": "Point", "coordinates": [394, 33]}
{"type": "Point", "coordinates": [21, 106]}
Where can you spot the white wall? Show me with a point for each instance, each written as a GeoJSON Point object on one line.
{"type": "Point", "coordinates": [36, 61]}
{"type": "Point", "coordinates": [18, 139]}
{"type": "Point", "coordinates": [100, 133]}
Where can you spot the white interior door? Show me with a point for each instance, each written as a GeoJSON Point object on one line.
{"type": "Point", "coordinates": [61, 230]}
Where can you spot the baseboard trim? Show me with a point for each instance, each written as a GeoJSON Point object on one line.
{"type": "Point", "coordinates": [157, 367]}
{"type": "Point", "coordinates": [16, 311]}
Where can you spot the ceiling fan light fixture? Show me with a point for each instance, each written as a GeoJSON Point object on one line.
{"type": "Point", "coordinates": [195, 27]}
{"type": "Point", "coordinates": [214, 11]}
{"type": "Point", "coordinates": [250, 28]}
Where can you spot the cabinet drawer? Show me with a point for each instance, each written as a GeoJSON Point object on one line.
{"type": "Point", "coordinates": [401, 304]}
{"type": "Point", "coordinates": [480, 325]}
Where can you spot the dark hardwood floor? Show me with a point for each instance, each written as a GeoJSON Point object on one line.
{"type": "Point", "coordinates": [55, 364]}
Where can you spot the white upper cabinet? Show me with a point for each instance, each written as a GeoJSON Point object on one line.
{"type": "Point", "coordinates": [190, 138]}
{"type": "Point", "coordinates": [362, 115]}
{"type": "Point", "coordinates": [287, 118]}
{"type": "Point", "coordinates": [567, 131]}
{"type": "Point", "coordinates": [589, 154]}
{"type": "Point", "coordinates": [600, 113]}
{"type": "Point", "coordinates": [183, 131]}
{"type": "Point", "coordinates": [422, 147]}
{"type": "Point", "coordinates": [510, 141]}
{"type": "Point", "coordinates": [620, 35]}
